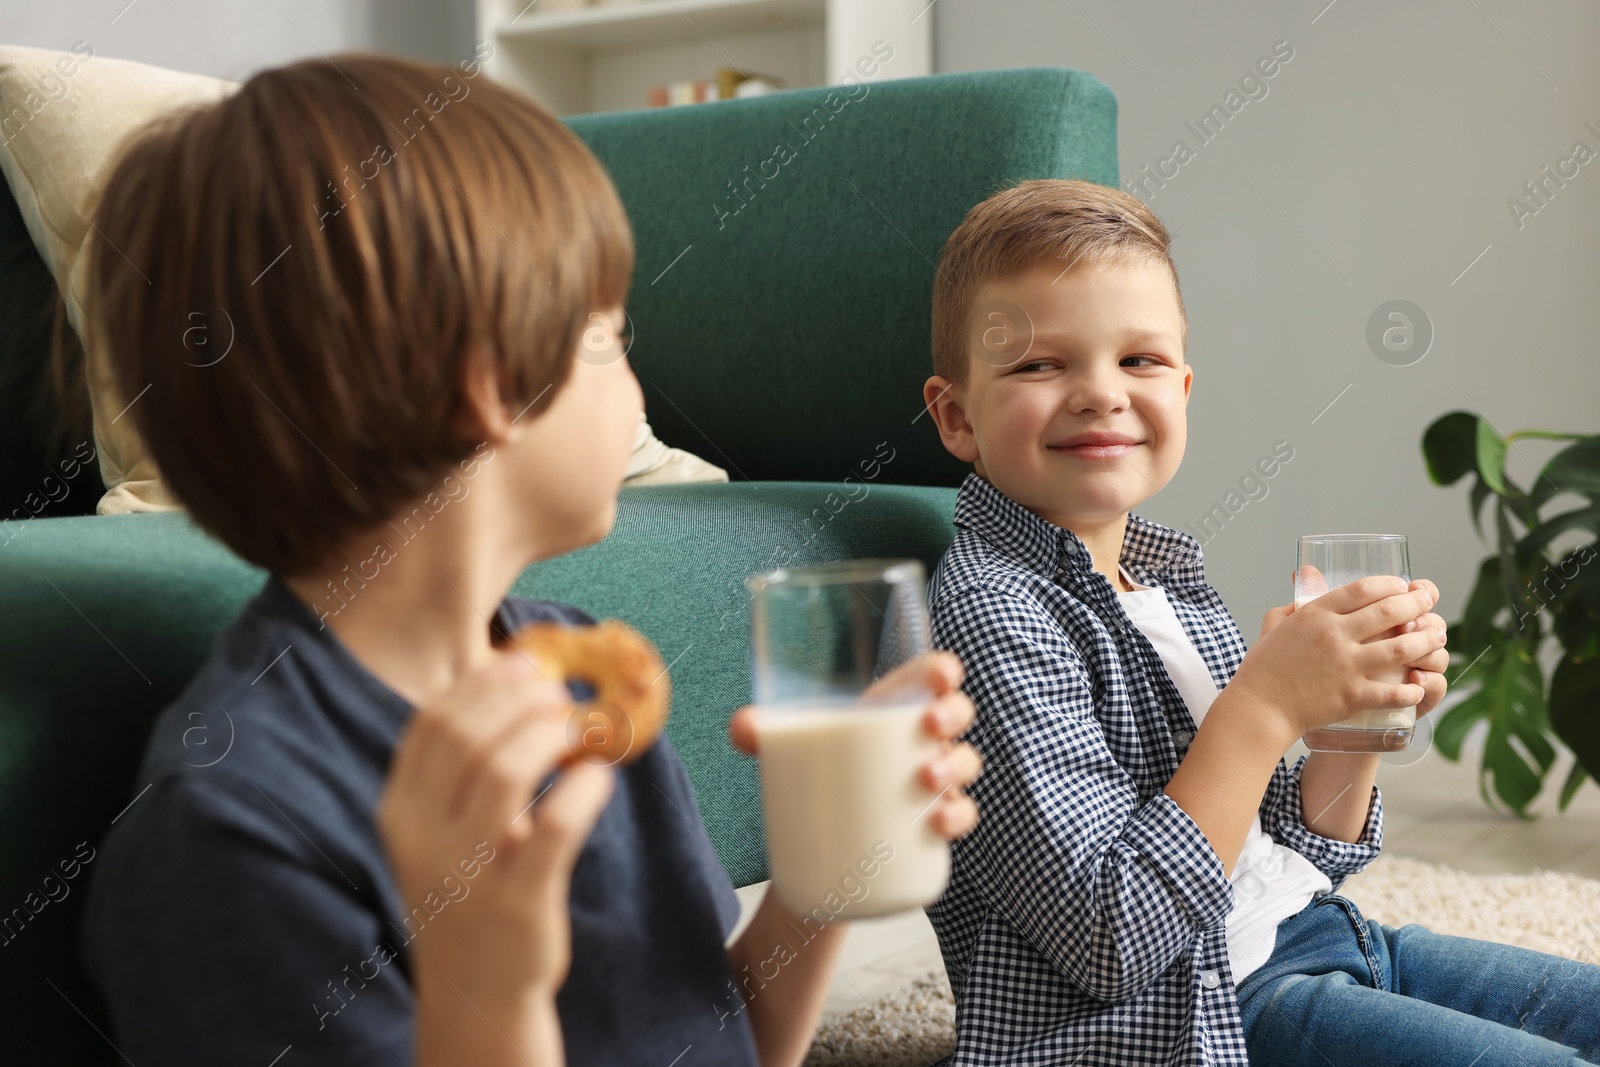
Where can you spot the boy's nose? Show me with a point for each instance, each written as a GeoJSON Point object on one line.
{"type": "Point", "coordinates": [1094, 395]}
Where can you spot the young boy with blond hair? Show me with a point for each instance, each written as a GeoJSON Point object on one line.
{"type": "Point", "coordinates": [390, 865]}
{"type": "Point", "coordinates": [1150, 883]}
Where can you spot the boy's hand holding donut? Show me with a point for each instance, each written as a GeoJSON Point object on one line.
{"type": "Point", "coordinates": [456, 804]}
{"type": "Point", "coordinates": [946, 717]}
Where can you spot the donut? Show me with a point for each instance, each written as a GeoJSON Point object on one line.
{"type": "Point", "coordinates": [632, 689]}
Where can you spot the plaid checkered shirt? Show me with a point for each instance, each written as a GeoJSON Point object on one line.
{"type": "Point", "coordinates": [1085, 918]}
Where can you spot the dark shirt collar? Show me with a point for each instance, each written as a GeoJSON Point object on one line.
{"type": "Point", "coordinates": [1151, 552]}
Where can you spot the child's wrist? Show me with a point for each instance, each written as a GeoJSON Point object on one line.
{"type": "Point", "coordinates": [455, 1025]}
{"type": "Point", "coordinates": [1260, 711]}
{"type": "Point", "coordinates": [468, 984]}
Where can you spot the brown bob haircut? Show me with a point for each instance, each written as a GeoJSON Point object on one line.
{"type": "Point", "coordinates": [1056, 222]}
{"type": "Point", "coordinates": [343, 233]}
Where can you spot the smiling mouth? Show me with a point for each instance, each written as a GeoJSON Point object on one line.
{"type": "Point", "coordinates": [1095, 451]}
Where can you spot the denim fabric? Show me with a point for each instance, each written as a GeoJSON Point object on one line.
{"type": "Point", "coordinates": [1342, 989]}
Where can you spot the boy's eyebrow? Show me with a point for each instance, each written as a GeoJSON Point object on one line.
{"type": "Point", "coordinates": [1131, 337]}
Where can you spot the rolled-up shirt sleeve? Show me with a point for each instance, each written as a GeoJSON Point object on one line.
{"type": "Point", "coordinates": [1283, 818]}
{"type": "Point", "coordinates": [1110, 890]}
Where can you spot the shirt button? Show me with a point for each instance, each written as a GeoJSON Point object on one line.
{"type": "Point", "coordinates": [1182, 738]}
{"type": "Point", "coordinates": [1210, 979]}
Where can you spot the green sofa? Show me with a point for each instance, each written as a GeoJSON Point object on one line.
{"type": "Point", "coordinates": [781, 331]}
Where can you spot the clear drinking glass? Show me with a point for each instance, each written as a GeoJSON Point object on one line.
{"type": "Point", "coordinates": [1325, 562]}
{"type": "Point", "coordinates": [840, 736]}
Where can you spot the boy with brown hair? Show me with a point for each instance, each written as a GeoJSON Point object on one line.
{"type": "Point", "coordinates": [422, 280]}
{"type": "Point", "coordinates": [1150, 882]}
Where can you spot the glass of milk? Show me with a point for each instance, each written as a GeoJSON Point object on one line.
{"type": "Point", "coordinates": [1327, 561]}
{"type": "Point", "coordinates": [839, 707]}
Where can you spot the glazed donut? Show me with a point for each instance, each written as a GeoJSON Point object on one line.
{"type": "Point", "coordinates": [632, 689]}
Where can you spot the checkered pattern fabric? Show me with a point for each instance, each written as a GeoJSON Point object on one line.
{"type": "Point", "coordinates": [1085, 919]}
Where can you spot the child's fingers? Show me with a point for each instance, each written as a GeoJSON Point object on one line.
{"type": "Point", "coordinates": [946, 671]}
{"type": "Point", "coordinates": [960, 765]}
{"type": "Point", "coordinates": [742, 730]}
{"type": "Point", "coordinates": [562, 821]}
{"type": "Point", "coordinates": [1430, 620]}
{"type": "Point", "coordinates": [496, 791]}
{"type": "Point", "coordinates": [1407, 648]}
{"type": "Point", "coordinates": [1389, 612]}
{"type": "Point", "coordinates": [1435, 661]}
{"type": "Point", "coordinates": [949, 716]}
{"type": "Point", "coordinates": [956, 816]}
{"type": "Point", "coordinates": [1372, 590]}
{"type": "Point", "coordinates": [443, 738]}
{"type": "Point", "coordinates": [936, 672]}
{"type": "Point", "coordinates": [1433, 686]}
{"type": "Point", "coordinates": [1424, 583]}
{"type": "Point", "coordinates": [1370, 695]}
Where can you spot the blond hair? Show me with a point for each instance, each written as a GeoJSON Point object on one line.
{"type": "Point", "coordinates": [1058, 222]}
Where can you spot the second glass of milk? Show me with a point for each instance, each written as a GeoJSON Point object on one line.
{"type": "Point", "coordinates": [1325, 562]}
{"type": "Point", "coordinates": [840, 738]}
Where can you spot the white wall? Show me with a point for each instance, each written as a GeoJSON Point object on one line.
{"type": "Point", "coordinates": [1378, 166]}
{"type": "Point", "coordinates": [234, 38]}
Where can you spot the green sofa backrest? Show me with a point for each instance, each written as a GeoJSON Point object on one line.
{"type": "Point", "coordinates": [788, 345]}
{"type": "Point", "coordinates": [781, 323]}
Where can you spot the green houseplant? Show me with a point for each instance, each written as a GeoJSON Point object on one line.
{"type": "Point", "coordinates": [1523, 597]}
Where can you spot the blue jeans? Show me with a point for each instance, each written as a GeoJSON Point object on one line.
{"type": "Point", "coordinates": [1341, 990]}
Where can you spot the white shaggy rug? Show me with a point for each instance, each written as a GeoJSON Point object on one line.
{"type": "Point", "coordinates": [1555, 913]}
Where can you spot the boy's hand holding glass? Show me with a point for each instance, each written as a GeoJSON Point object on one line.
{"type": "Point", "coordinates": [854, 719]}
{"type": "Point", "coordinates": [945, 717]}
{"type": "Point", "coordinates": [1328, 660]}
{"type": "Point", "coordinates": [1427, 672]}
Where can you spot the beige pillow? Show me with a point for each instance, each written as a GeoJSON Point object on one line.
{"type": "Point", "coordinates": [63, 116]}
{"type": "Point", "coordinates": [653, 463]}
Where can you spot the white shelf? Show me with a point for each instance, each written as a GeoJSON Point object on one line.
{"type": "Point", "coordinates": [606, 58]}
{"type": "Point", "coordinates": [661, 22]}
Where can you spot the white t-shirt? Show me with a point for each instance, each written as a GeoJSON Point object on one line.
{"type": "Point", "coordinates": [1270, 882]}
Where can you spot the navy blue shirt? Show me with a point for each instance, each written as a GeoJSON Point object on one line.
{"type": "Point", "coordinates": [242, 911]}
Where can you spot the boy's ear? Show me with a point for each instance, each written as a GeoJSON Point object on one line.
{"type": "Point", "coordinates": [482, 416]}
{"type": "Point", "coordinates": [943, 399]}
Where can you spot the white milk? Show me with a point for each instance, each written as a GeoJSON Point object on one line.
{"type": "Point", "coordinates": [846, 814]}
{"type": "Point", "coordinates": [1376, 720]}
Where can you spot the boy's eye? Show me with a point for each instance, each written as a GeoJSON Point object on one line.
{"type": "Point", "coordinates": [1035, 364]}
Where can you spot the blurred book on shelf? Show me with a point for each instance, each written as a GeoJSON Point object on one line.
{"type": "Point", "coordinates": [729, 84]}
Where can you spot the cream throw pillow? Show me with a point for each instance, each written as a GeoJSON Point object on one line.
{"type": "Point", "coordinates": [63, 115]}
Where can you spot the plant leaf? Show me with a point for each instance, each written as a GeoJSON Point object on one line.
{"type": "Point", "coordinates": [1453, 727]}
{"type": "Point", "coordinates": [1476, 628]}
{"type": "Point", "coordinates": [1449, 446]}
{"type": "Point", "coordinates": [1575, 469]}
{"type": "Point", "coordinates": [1575, 708]}
{"type": "Point", "coordinates": [1491, 451]}
{"type": "Point", "coordinates": [1480, 493]}
{"type": "Point", "coordinates": [1514, 781]}
{"type": "Point", "coordinates": [1575, 778]}
{"type": "Point", "coordinates": [1541, 535]}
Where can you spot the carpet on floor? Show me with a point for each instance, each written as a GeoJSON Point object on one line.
{"type": "Point", "coordinates": [1556, 913]}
